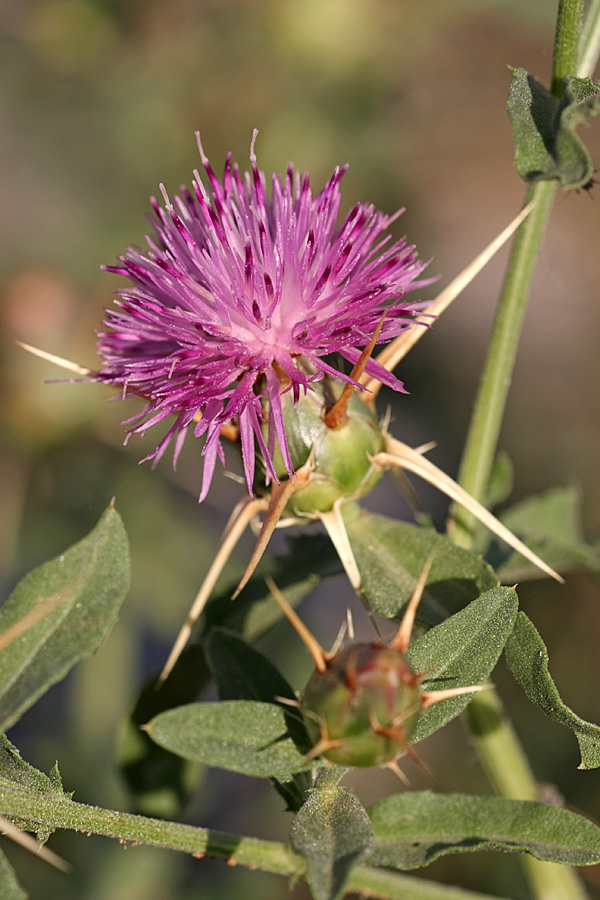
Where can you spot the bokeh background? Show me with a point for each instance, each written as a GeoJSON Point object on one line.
{"type": "Point", "coordinates": [99, 100]}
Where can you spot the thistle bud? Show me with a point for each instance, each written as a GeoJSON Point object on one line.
{"type": "Point", "coordinates": [340, 455]}
{"type": "Point", "coordinates": [363, 708]}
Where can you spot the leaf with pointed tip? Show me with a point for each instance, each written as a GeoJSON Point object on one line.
{"type": "Point", "coordinates": [461, 651]}
{"type": "Point", "coordinates": [244, 673]}
{"type": "Point", "coordinates": [158, 781]}
{"type": "Point", "coordinates": [550, 524]}
{"type": "Point", "coordinates": [546, 146]}
{"type": "Point", "coordinates": [527, 658]}
{"type": "Point", "coordinates": [415, 828]}
{"type": "Point", "coordinates": [391, 555]}
{"type": "Point", "coordinates": [333, 833]}
{"type": "Point", "coordinates": [10, 889]}
{"type": "Point", "coordinates": [60, 613]}
{"type": "Point", "coordinates": [242, 736]}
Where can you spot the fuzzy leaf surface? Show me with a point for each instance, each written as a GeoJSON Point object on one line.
{"type": "Point", "coordinates": [527, 658]}
{"type": "Point", "coordinates": [546, 146]}
{"type": "Point", "coordinates": [332, 831]}
{"type": "Point", "coordinates": [461, 651]}
{"type": "Point", "coordinates": [60, 613]}
{"type": "Point", "coordinates": [415, 828]}
{"type": "Point", "coordinates": [390, 556]}
{"type": "Point", "coordinates": [242, 736]}
{"type": "Point", "coordinates": [242, 672]}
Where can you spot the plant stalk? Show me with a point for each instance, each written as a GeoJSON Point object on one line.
{"type": "Point", "coordinates": [49, 812]}
{"type": "Point", "coordinates": [496, 742]}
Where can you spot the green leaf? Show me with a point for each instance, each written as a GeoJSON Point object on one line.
{"type": "Point", "coordinates": [549, 523]}
{"type": "Point", "coordinates": [60, 613]}
{"type": "Point", "coordinates": [527, 658]}
{"type": "Point", "coordinates": [390, 556]}
{"type": "Point", "coordinates": [546, 146]}
{"type": "Point", "coordinates": [14, 771]}
{"type": "Point", "coordinates": [10, 889]}
{"type": "Point", "coordinates": [413, 829]}
{"type": "Point", "coordinates": [242, 736]}
{"type": "Point", "coordinates": [333, 833]}
{"type": "Point", "coordinates": [243, 673]}
{"type": "Point", "coordinates": [462, 650]}
{"type": "Point", "coordinates": [159, 781]}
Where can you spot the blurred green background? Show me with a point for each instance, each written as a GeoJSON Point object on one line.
{"type": "Point", "coordinates": [99, 101]}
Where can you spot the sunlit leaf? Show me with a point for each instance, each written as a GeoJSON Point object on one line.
{"type": "Point", "coordinates": [527, 658]}
{"type": "Point", "coordinates": [413, 829]}
{"type": "Point", "coordinates": [546, 146]}
{"type": "Point", "coordinates": [60, 613]}
{"type": "Point", "coordinates": [244, 673]}
{"type": "Point", "coordinates": [333, 833]}
{"type": "Point", "coordinates": [251, 738]}
{"type": "Point", "coordinates": [390, 556]}
{"type": "Point", "coordinates": [462, 650]}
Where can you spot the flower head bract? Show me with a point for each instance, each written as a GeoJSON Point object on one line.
{"type": "Point", "coordinates": [240, 296]}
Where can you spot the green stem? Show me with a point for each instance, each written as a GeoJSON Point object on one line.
{"type": "Point", "coordinates": [486, 420]}
{"type": "Point", "coordinates": [496, 742]}
{"type": "Point", "coordinates": [566, 42]}
{"type": "Point", "coordinates": [55, 811]}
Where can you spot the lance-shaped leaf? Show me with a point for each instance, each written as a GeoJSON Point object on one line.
{"type": "Point", "coordinates": [159, 781]}
{"type": "Point", "coordinates": [413, 829]}
{"type": "Point", "coordinates": [546, 146]}
{"type": "Point", "coordinates": [527, 658]}
{"type": "Point", "coordinates": [242, 672]}
{"type": "Point", "coordinates": [462, 651]}
{"type": "Point", "coordinates": [391, 555]}
{"type": "Point", "coordinates": [333, 833]}
{"type": "Point", "coordinates": [60, 613]}
{"type": "Point", "coordinates": [242, 736]}
{"type": "Point", "coordinates": [10, 889]}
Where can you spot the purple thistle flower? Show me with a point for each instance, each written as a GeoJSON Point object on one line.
{"type": "Point", "coordinates": [239, 298]}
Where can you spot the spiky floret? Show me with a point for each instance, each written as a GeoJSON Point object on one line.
{"type": "Point", "coordinates": [240, 295]}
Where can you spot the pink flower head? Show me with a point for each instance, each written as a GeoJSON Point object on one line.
{"type": "Point", "coordinates": [240, 296]}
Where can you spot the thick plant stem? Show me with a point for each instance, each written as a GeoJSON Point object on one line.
{"type": "Point", "coordinates": [486, 421]}
{"type": "Point", "coordinates": [566, 42]}
{"type": "Point", "coordinates": [55, 811]}
{"type": "Point", "coordinates": [496, 742]}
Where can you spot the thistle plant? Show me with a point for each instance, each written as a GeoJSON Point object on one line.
{"type": "Point", "coordinates": [255, 315]}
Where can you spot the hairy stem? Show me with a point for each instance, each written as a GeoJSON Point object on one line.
{"type": "Point", "coordinates": [52, 811]}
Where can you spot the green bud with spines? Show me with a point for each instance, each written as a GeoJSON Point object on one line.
{"type": "Point", "coordinates": [365, 705]}
{"type": "Point", "coordinates": [340, 456]}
